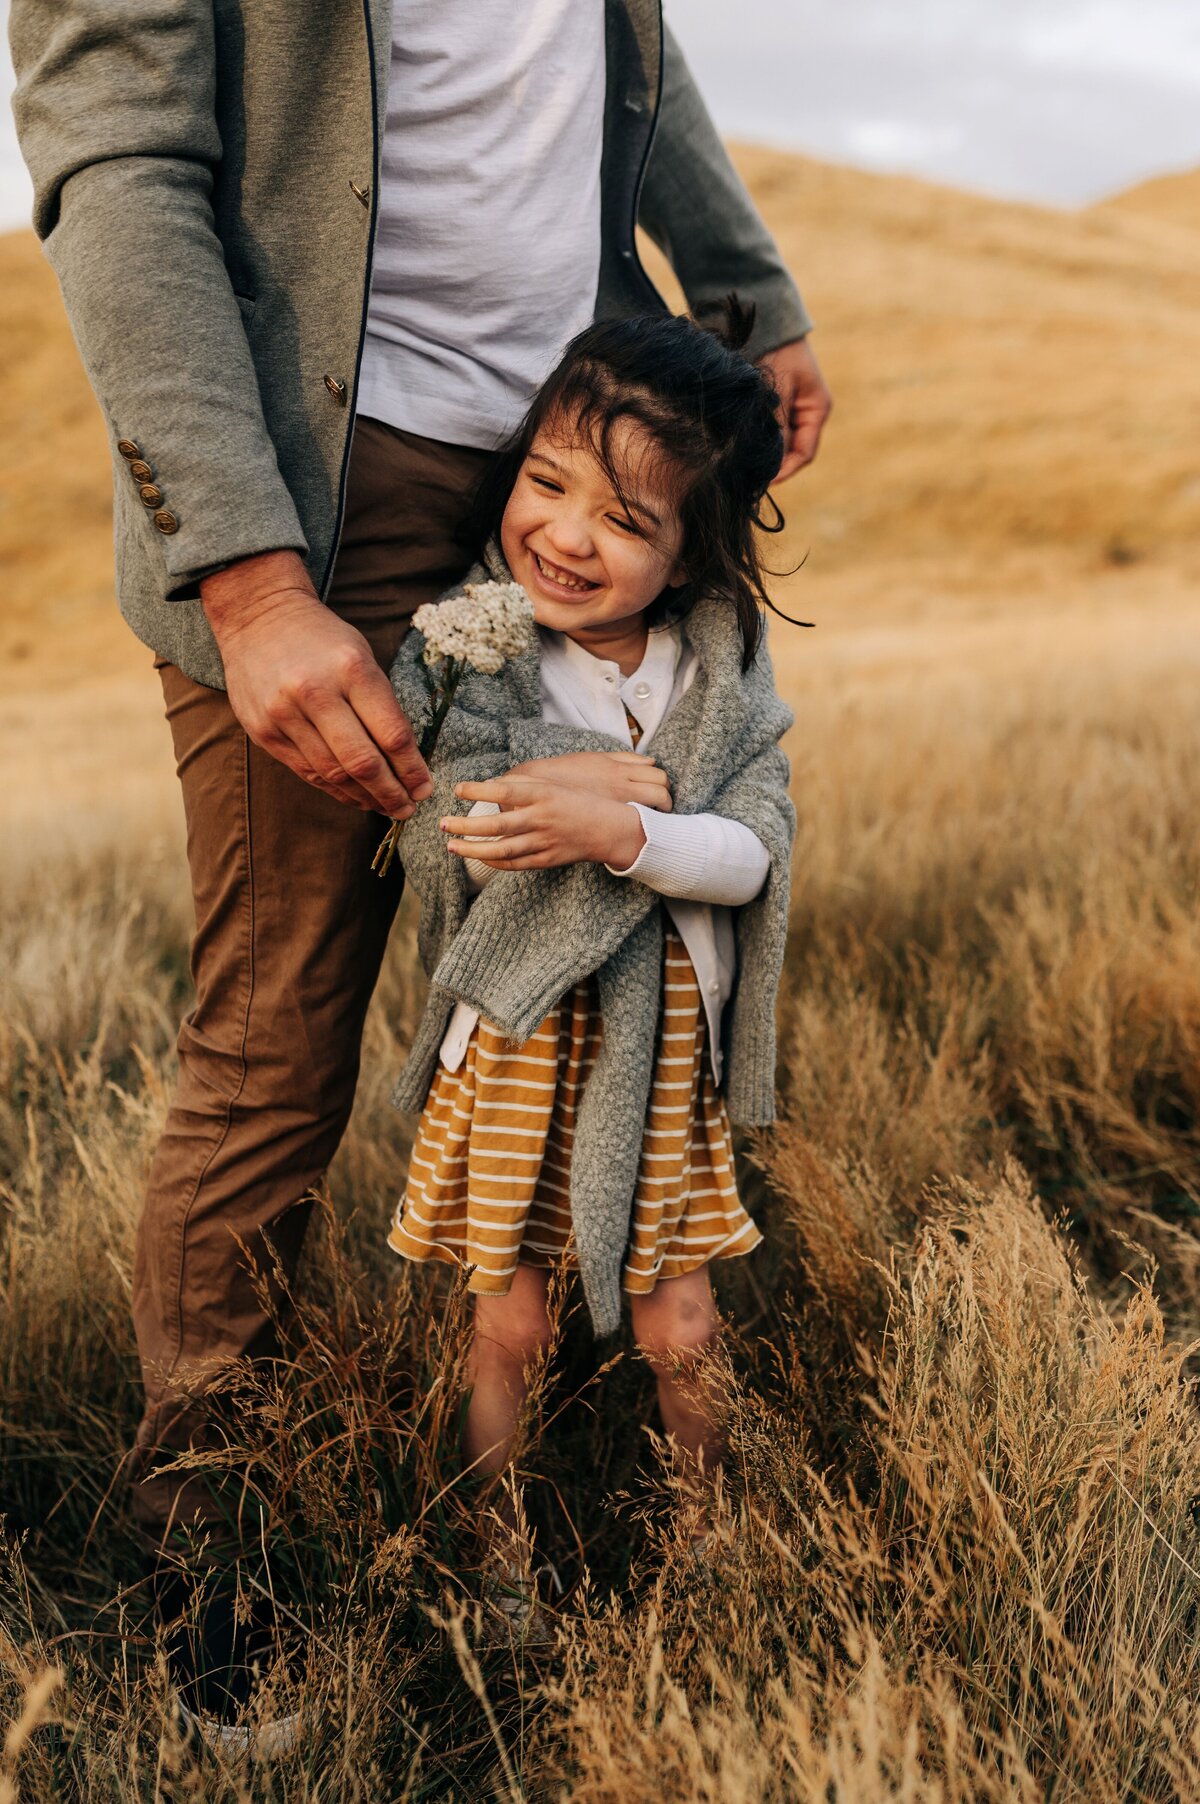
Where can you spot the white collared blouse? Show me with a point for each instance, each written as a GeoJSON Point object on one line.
{"type": "Point", "coordinates": [703, 865]}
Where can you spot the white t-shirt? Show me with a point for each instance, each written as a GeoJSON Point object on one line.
{"type": "Point", "coordinates": [487, 254]}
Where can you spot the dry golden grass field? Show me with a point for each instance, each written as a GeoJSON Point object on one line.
{"type": "Point", "coordinates": [959, 1542]}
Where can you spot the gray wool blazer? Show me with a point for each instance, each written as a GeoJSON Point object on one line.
{"type": "Point", "coordinates": [206, 179]}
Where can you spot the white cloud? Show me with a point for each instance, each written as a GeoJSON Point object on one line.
{"type": "Point", "coordinates": [900, 143]}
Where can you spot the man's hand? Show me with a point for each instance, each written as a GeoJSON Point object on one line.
{"type": "Point", "coordinates": [804, 403]}
{"type": "Point", "coordinates": [542, 825]}
{"type": "Point", "coordinates": [306, 688]}
{"type": "Point", "coordinates": [618, 776]}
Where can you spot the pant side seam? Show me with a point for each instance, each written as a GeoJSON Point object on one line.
{"type": "Point", "coordinates": [232, 1102]}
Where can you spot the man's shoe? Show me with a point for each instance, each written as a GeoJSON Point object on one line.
{"type": "Point", "coordinates": [221, 1642]}
{"type": "Point", "coordinates": [268, 1740]}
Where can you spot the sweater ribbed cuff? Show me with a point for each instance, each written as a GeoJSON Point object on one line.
{"type": "Point", "coordinates": [672, 861]}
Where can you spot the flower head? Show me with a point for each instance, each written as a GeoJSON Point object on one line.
{"type": "Point", "coordinates": [484, 626]}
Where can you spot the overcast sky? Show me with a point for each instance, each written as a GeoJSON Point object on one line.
{"type": "Point", "coordinates": [1052, 100]}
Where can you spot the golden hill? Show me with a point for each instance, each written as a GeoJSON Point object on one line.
{"type": "Point", "coordinates": [1009, 378]}
{"type": "Point", "coordinates": [1174, 199]}
{"type": "Point", "coordinates": [1014, 385]}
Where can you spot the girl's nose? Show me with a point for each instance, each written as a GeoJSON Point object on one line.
{"type": "Point", "coordinates": [571, 535]}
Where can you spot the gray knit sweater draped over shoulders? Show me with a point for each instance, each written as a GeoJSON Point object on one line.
{"type": "Point", "coordinates": [515, 949]}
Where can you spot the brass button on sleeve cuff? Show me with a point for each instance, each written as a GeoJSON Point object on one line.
{"type": "Point", "coordinates": [127, 448]}
{"type": "Point", "coordinates": [151, 497]}
{"type": "Point", "coordinates": [141, 472]}
{"type": "Point", "coordinates": [362, 194]}
{"type": "Point", "coordinates": [166, 521]}
{"type": "Point", "coordinates": [337, 389]}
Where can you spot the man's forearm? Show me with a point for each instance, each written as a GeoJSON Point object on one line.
{"type": "Point", "coordinates": [247, 588]}
{"type": "Point", "coordinates": [696, 208]}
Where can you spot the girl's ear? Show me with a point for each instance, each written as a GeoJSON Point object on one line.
{"type": "Point", "coordinates": [678, 576]}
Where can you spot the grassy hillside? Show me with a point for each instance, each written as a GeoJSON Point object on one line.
{"type": "Point", "coordinates": [1174, 199]}
{"type": "Point", "coordinates": [958, 1556]}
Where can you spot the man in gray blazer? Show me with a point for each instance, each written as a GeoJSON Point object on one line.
{"type": "Point", "coordinates": [317, 254]}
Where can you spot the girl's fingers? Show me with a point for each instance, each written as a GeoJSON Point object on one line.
{"type": "Point", "coordinates": [496, 789]}
{"type": "Point", "coordinates": [482, 826]}
{"type": "Point", "coordinates": [505, 852]}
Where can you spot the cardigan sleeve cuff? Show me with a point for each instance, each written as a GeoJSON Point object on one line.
{"type": "Point", "coordinates": [698, 858]}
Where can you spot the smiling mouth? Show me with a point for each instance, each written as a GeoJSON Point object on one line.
{"type": "Point", "coordinates": [562, 579]}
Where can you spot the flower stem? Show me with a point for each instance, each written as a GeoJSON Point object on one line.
{"type": "Point", "coordinates": [455, 670]}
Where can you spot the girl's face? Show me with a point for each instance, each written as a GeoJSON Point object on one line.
{"type": "Point", "coordinates": [590, 563]}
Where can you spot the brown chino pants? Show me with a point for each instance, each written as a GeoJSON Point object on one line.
{"type": "Point", "coordinates": [291, 926]}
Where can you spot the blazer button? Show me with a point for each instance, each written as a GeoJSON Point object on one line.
{"type": "Point", "coordinates": [151, 497]}
{"type": "Point", "coordinates": [337, 389]}
{"type": "Point", "coordinates": [362, 194]}
{"type": "Point", "coordinates": [128, 449]}
{"type": "Point", "coordinates": [166, 522]}
{"type": "Point", "coordinates": [140, 471]}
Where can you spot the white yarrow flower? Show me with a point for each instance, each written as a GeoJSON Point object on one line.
{"type": "Point", "coordinates": [484, 626]}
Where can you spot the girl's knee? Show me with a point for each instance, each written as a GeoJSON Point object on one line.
{"type": "Point", "coordinates": [517, 1326]}
{"type": "Point", "coordinates": [677, 1320]}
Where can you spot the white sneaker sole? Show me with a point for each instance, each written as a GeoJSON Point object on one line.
{"type": "Point", "coordinates": [271, 1740]}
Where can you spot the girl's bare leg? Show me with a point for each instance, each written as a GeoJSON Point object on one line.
{"type": "Point", "coordinates": [674, 1324]}
{"type": "Point", "coordinates": [512, 1333]}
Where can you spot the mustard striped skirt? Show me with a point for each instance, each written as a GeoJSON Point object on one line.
{"type": "Point", "coordinates": [489, 1176]}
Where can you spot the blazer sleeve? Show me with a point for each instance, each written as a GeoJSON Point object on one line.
{"type": "Point", "coordinates": [115, 111]}
{"type": "Point", "coordinates": [695, 207]}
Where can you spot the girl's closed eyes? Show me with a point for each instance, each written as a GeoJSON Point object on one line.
{"type": "Point", "coordinates": [590, 567]}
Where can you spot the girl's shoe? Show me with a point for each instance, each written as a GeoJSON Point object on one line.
{"type": "Point", "coordinates": [513, 1614]}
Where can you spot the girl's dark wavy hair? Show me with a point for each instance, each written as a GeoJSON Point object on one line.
{"type": "Point", "coordinates": [712, 416]}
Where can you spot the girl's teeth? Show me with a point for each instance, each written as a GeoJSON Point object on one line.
{"type": "Point", "coordinates": [563, 581]}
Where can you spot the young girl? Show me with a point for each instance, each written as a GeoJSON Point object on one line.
{"type": "Point", "coordinates": [604, 929]}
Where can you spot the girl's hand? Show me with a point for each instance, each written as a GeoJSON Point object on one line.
{"type": "Point", "coordinates": [542, 825]}
{"type": "Point", "coordinates": [621, 776]}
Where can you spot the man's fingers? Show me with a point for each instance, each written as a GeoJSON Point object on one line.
{"type": "Point", "coordinates": [806, 434]}
{"type": "Point", "coordinates": [305, 754]}
{"type": "Point", "coordinates": [792, 462]}
{"type": "Point", "coordinates": [359, 757]}
{"type": "Point", "coordinates": [804, 403]}
{"type": "Point", "coordinates": [310, 759]}
{"type": "Point", "coordinates": [371, 697]}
